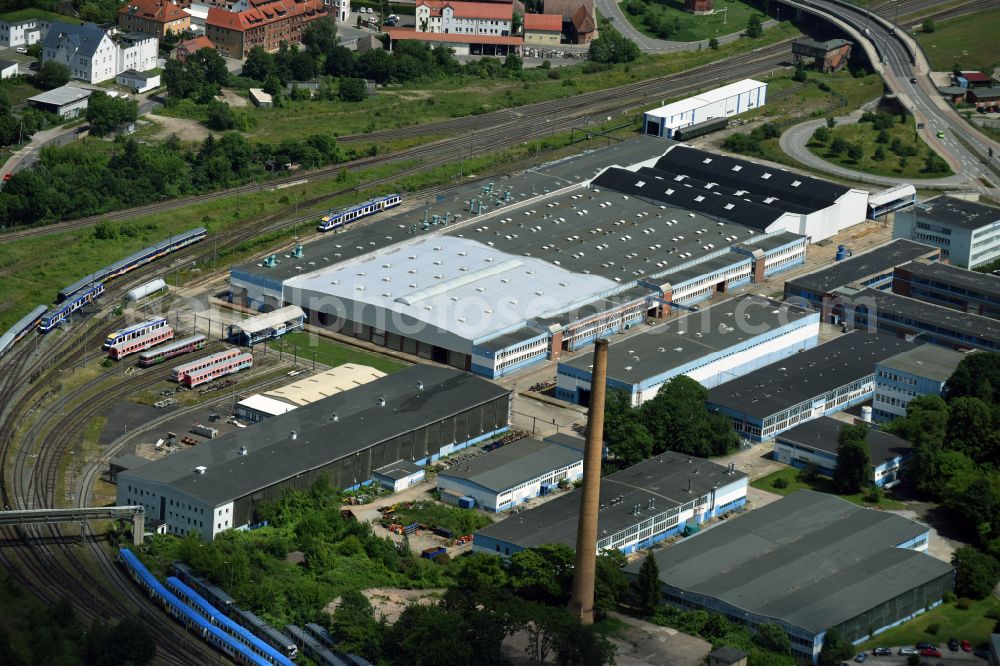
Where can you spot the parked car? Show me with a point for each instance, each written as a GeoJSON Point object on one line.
{"type": "Point", "coordinates": [930, 652]}
{"type": "Point", "coordinates": [924, 644]}
{"type": "Point", "coordinates": [966, 646]}
{"type": "Point", "coordinates": [882, 652]}
{"type": "Point", "coordinates": [861, 657]}
{"type": "Point", "coordinates": [21, 49]}
{"type": "Point", "coordinates": [953, 644]}
{"type": "Point", "coordinates": [7, 176]}
{"type": "Point", "coordinates": [913, 79]}
{"type": "Point", "coordinates": [940, 135]}
{"type": "Point", "coordinates": [908, 650]}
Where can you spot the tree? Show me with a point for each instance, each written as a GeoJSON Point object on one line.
{"type": "Point", "coordinates": [429, 636]}
{"type": "Point", "coordinates": [975, 377]}
{"type": "Point", "coordinates": [853, 469]}
{"type": "Point", "coordinates": [835, 649]}
{"type": "Point", "coordinates": [976, 573]}
{"type": "Point", "coordinates": [516, 22]}
{"type": "Point", "coordinates": [355, 625]}
{"type": "Point", "coordinates": [105, 113]}
{"type": "Point", "coordinates": [754, 27]}
{"type": "Point", "coordinates": [928, 25]}
{"type": "Point", "coordinates": [934, 163]}
{"type": "Point", "coordinates": [513, 63]}
{"type": "Point", "coordinates": [772, 637]}
{"type": "Point", "coordinates": [800, 72]}
{"type": "Point", "coordinates": [220, 116]}
{"type": "Point", "coordinates": [831, 122]}
{"type": "Point", "coordinates": [479, 571]}
{"type": "Point", "coordinates": [647, 587]}
{"type": "Point", "coordinates": [855, 151]}
{"type": "Point", "coordinates": [320, 36]}
{"type": "Point", "coordinates": [883, 137]}
{"type": "Point", "coordinates": [543, 573]}
{"type": "Point", "coordinates": [5, 105]}
{"type": "Point", "coordinates": [612, 47]}
{"type": "Point", "coordinates": [838, 146]}
{"type": "Point", "coordinates": [212, 65]}
{"type": "Point", "coordinates": [879, 155]}
{"type": "Point", "coordinates": [353, 90]}
{"type": "Point", "coordinates": [610, 582]}
{"type": "Point", "coordinates": [303, 68]}
{"type": "Point", "coordinates": [822, 134]}
{"type": "Point", "coordinates": [51, 74]}
{"type": "Point", "coordinates": [259, 64]}
{"type": "Point", "coordinates": [972, 429]}
{"type": "Point", "coordinates": [713, 44]}
{"type": "Point", "coordinates": [339, 62]}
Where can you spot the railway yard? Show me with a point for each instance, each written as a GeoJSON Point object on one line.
{"type": "Point", "coordinates": [150, 356]}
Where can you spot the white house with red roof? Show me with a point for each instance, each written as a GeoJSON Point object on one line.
{"type": "Point", "coordinates": [469, 28]}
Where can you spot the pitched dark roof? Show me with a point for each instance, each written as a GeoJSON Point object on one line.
{"type": "Point", "coordinates": [86, 38]}
{"type": "Point", "coordinates": [823, 433]}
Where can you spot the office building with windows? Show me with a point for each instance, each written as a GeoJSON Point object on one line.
{"type": "Point", "coordinates": [923, 370]}
{"type": "Point", "coordinates": [967, 232]}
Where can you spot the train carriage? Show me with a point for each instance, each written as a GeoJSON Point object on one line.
{"type": "Point", "coordinates": [220, 369]}
{"type": "Point", "coordinates": [266, 632]}
{"type": "Point", "coordinates": [175, 348]}
{"type": "Point", "coordinates": [134, 331]}
{"type": "Point", "coordinates": [212, 594]}
{"type": "Point", "coordinates": [24, 325]}
{"type": "Point", "coordinates": [59, 314]}
{"type": "Point", "coordinates": [312, 648]}
{"type": "Point", "coordinates": [180, 372]}
{"type": "Point", "coordinates": [337, 218]}
{"type": "Point", "coordinates": [123, 349]}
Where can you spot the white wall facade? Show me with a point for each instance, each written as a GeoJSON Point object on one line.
{"type": "Point", "coordinates": [722, 102]}
{"type": "Point", "coordinates": [139, 55]}
{"type": "Point", "coordinates": [509, 497]}
{"type": "Point", "coordinates": [448, 23]}
{"type": "Point", "coordinates": [849, 210]}
{"type": "Point", "coordinates": [24, 32]}
{"type": "Point", "coordinates": [181, 513]}
{"type": "Point", "coordinates": [100, 67]}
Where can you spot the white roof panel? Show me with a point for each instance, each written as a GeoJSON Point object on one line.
{"type": "Point", "coordinates": [266, 405]}
{"type": "Point", "coordinates": [268, 320]}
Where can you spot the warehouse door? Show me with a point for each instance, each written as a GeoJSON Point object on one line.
{"type": "Point", "coordinates": [652, 127]}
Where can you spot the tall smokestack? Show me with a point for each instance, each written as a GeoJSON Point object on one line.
{"type": "Point", "coordinates": [581, 603]}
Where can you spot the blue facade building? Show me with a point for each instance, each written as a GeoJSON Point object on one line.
{"type": "Point", "coordinates": [923, 370]}
{"type": "Point", "coordinates": [950, 286]}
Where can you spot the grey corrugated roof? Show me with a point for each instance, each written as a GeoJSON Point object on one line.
{"type": "Point", "coordinates": [956, 212]}
{"type": "Point", "coordinates": [663, 478]}
{"type": "Point", "coordinates": [86, 37]}
{"type": "Point", "coordinates": [273, 456]}
{"type": "Point", "coordinates": [861, 266]}
{"type": "Point", "coordinates": [398, 470]}
{"type": "Point", "coordinates": [514, 464]}
{"type": "Point", "coordinates": [930, 361]}
{"type": "Point", "coordinates": [811, 560]}
{"type": "Point", "coordinates": [822, 434]}
{"type": "Point", "coordinates": [512, 338]}
{"type": "Point", "coordinates": [61, 96]}
{"type": "Point", "coordinates": [811, 373]}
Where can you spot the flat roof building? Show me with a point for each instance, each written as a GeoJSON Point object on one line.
{"type": "Point", "coordinates": [324, 384]}
{"type": "Point", "coordinates": [966, 231]}
{"type": "Point", "coordinates": [258, 407]}
{"type": "Point", "coordinates": [711, 346]}
{"type": "Point", "coordinates": [818, 382]}
{"type": "Point", "coordinates": [814, 444]}
{"type": "Point", "coordinates": [722, 102]}
{"type": "Point", "coordinates": [417, 414]}
{"type": "Point", "coordinates": [398, 475]}
{"type": "Point", "coordinates": [639, 506]}
{"type": "Point", "coordinates": [923, 370]}
{"type": "Point", "coordinates": [809, 562]}
{"type": "Point", "coordinates": [950, 286]}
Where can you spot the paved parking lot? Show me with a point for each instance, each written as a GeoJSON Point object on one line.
{"type": "Point", "coordinates": [947, 657]}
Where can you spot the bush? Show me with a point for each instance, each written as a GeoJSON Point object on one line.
{"type": "Point", "coordinates": [964, 603]}
{"type": "Point", "coordinates": [780, 482]}
{"type": "Point", "coordinates": [951, 597]}
{"type": "Point", "coordinates": [933, 628]}
{"type": "Point", "coordinates": [929, 25]}
{"type": "Point", "coordinates": [873, 495]}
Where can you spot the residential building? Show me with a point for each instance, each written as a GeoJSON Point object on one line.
{"type": "Point", "coordinates": [923, 370]}
{"type": "Point", "coordinates": [828, 56]}
{"type": "Point", "coordinates": [264, 23]}
{"type": "Point", "coordinates": [513, 474]}
{"type": "Point", "coordinates": [814, 444]}
{"type": "Point", "coordinates": [139, 82]}
{"type": "Point", "coordinates": [9, 68]}
{"type": "Point", "coordinates": [579, 19]}
{"type": "Point", "coordinates": [417, 414]}
{"type": "Point", "coordinates": [950, 286]}
{"type": "Point", "coordinates": [65, 101]}
{"type": "Point", "coordinates": [817, 382]}
{"type": "Point", "coordinates": [93, 55]}
{"type": "Point", "coordinates": [967, 232]}
{"type": "Point", "coordinates": [464, 18]}
{"type": "Point", "coordinates": [189, 46]}
{"type": "Point", "coordinates": [153, 17]}
{"type": "Point", "coordinates": [985, 98]}
{"type": "Point", "coordinates": [542, 29]}
{"type": "Point", "coordinates": [639, 506]}
{"type": "Point", "coordinates": [809, 562]}
{"type": "Point", "coordinates": [342, 9]}
{"type": "Point", "coordinates": [823, 289]}
{"type": "Point", "coordinates": [711, 346]}
{"type": "Point", "coordinates": [24, 27]}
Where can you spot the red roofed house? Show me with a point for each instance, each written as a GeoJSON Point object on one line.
{"type": "Point", "coordinates": [264, 23]}
{"type": "Point", "coordinates": [153, 17]}
{"type": "Point", "coordinates": [542, 29]}
{"type": "Point", "coordinates": [470, 28]}
{"type": "Point", "coordinates": [186, 48]}
{"type": "Point", "coordinates": [579, 20]}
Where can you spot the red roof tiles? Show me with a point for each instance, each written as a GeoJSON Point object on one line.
{"type": "Point", "coordinates": [471, 10]}
{"type": "Point", "coordinates": [544, 22]}
{"type": "Point", "coordinates": [404, 34]}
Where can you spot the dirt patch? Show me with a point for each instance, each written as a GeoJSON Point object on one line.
{"type": "Point", "coordinates": [234, 99]}
{"type": "Point", "coordinates": [186, 129]}
{"type": "Point", "coordinates": [392, 601]}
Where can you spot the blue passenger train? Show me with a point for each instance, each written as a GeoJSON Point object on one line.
{"type": "Point", "coordinates": [28, 322]}
{"type": "Point", "coordinates": [333, 219]}
{"type": "Point", "coordinates": [61, 312]}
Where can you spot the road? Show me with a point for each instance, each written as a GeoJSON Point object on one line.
{"type": "Point", "coordinates": [967, 157]}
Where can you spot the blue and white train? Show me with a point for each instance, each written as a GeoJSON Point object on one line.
{"type": "Point", "coordinates": [333, 219]}
{"type": "Point", "coordinates": [67, 307]}
{"type": "Point", "coordinates": [133, 261]}
{"type": "Point", "coordinates": [24, 325]}
{"type": "Point", "coordinates": [184, 614]}
{"type": "Point", "coordinates": [134, 331]}
{"type": "Point", "coordinates": [312, 648]}
{"type": "Point", "coordinates": [219, 619]}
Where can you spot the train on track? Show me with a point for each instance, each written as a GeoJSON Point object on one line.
{"type": "Point", "coordinates": [67, 307]}
{"type": "Point", "coordinates": [193, 621]}
{"type": "Point", "coordinates": [312, 648]}
{"type": "Point", "coordinates": [333, 219]}
{"type": "Point", "coordinates": [160, 334]}
{"type": "Point", "coordinates": [24, 325]}
{"type": "Point", "coordinates": [211, 367]}
{"type": "Point", "coordinates": [176, 348]}
{"type": "Point", "coordinates": [134, 331]}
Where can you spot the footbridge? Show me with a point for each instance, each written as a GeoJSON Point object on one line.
{"type": "Point", "coordinates": [81, 515]}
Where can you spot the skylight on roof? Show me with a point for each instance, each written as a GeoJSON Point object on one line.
{"type": "Point", "coordinates": [699, 198]}
{"type": "Point", "coordinates": [737, 167]}
{"type": "Point", "coordinates": [770, 200]}
{"type": "Point", "coordinates": [707, 160]}
{"type": "Point", "coordinates": [640, 183]}
{"type": "Point", "coordinates": [730, 206]}
{"type": "Point", "coordinates": [765, 176]}
{"type": "Point", "coordinates": [796, 183]}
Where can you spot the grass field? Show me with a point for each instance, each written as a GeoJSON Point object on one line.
{"type": "Point", "coordinates": [331, 353]}
{"type": "Point", "coordinates": [967, 41]}
{"type": "Point", "coordinates": [892, 165]}
{"type": "Point", "coordinates": [432, 514]}
{"type": "Point", "coordinates": [21, 14]}
{"type": "Point", "coordinates": [688, 27]}
{"type": "Point", "coordinates": [972, 625]}
{"type": "Point", "coordinates": [822, 484]}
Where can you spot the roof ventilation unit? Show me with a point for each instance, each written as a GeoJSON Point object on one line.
{"type": "Point", "coordinates": [200, 469]}
{"type": "Point", "coordinates": [293, 435]}
{"type": "Point", "coordinates": [242, 451]}
{"type": "Point", "coordinates": [380, 402]}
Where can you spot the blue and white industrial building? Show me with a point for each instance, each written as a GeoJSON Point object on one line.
{"type": "Point", "coordinates": [967, 232]}
{"type": "Point", "coordinates": [513, 474]}
{"type": "Point", "coordinates": [814, 444]}
{"type": "Point", "coordinates": [923, 370]}
{"type": "Point", "coordinates": [498, 286]}
{"type": "Point", "coordinates": [818, 382]}
{"type": "Point", "coordinates": [640, 506]}
{"type": "Point", "coordinates": [724, 102]}
{"type": "Point", "coordinates": [398, 475]}
{"type": "Point", "coordinates": [950, 286]}
{"type": "Point", "coordinates": [711, 346]}
{"type": "Point", "coordinates": [809, 562]}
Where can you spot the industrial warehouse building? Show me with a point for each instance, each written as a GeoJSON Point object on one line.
{"type": "Point", "coordinates": [639, 506]}
{"type": "Point", "coordinates": [814, 444]}
{"type": "Point", "coordinates": [809, 562]}
{"type": "Point", "coordinates": [966, 231]}
{"type": "Point", "coordinates": [417, 414]}
{"type": "Point", "coordinates": [923, 370]}
{"type": "Point", "coordinates": [818, 382]}
{"type": "Point", "coordinates": [528, 275]}
{"type": "Point", "coordinates": [710, 346]}
{"type": "Point", "coordinates": [723, 102]}
{"type": "Point", "coordinates": [950, 286]}
{"type": "Point", "coordinates": [872, 269]}
{"type": "Point", "coordinates": [513, 474]}
{"type": "Point", "coordinates": [305, 391]}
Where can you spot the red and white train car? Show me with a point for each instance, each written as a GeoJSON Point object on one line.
{"type": "Point", "coordinates": [179, 372]}
{"type": "Point", "coordinates": [122, 349]}
{"type": "Point", "coordinates": [220, 369]}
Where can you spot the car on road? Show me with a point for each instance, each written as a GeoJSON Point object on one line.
{"type": "Point", "coordinates": [861, 657]}
{"type": "Point", "coordinates": [882, 652]}
{"type": "Point", "coordinates": [913, 79]}
{"type": "Point", "coordinates": [940, 135]}
{"type": "Point", "coordinates": [7, 176]}
{"type": "Point", "coordinates": [930, 652]}
{"type": "Point", "coordinates": [908, 650]}
{"type": "Point", "coordinates": [953, 644]}
{"type": "Point", "coordinates": [966, 646]}
{"type": "Point", "coordinates": [21, 49]}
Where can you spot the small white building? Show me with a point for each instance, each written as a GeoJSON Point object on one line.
{"type": "Point", "coordinates": [342, 7]}
{"type": "Point", "coordinates": [512, 474]}
{"type": "Point", "coordinates": [9, 68]}
{"type": "Point", "coordinates": [724, 102]}
{"type": "Point", "coordinates": [65, 101]}
{"type": "Point", "coordinates": [399, 475]}
{"type": "Point", "coordinates": [139, 82]}
{"type": "Point", "coordinates": [24, 27]}
{"type": "Point", "coordinates": [135, 51]}
{"type": "Point", "coordinates": [259, 407]}
{"type": "Point", "coordinates": [261, 98]}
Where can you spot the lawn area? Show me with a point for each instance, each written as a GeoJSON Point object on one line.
{"type": "Point", "coordinates": [432, 514]}
{"type": "Point", "coordinates": [19, 90]}
{"type": "Point", "coordinates": [908, 160]}
{"type": "Point", "coordinates": [30, 12]}
{"type": "Point", "coordinates": [967, 41]}
{"type": "Point", "coordinates": [972, 625]}
{"type": "Point", "coordinates": [795, 481]}
{"type": "Point", "coordinates": [332, 353]}
{"type": "Point", "coordinates": [666, 19]}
